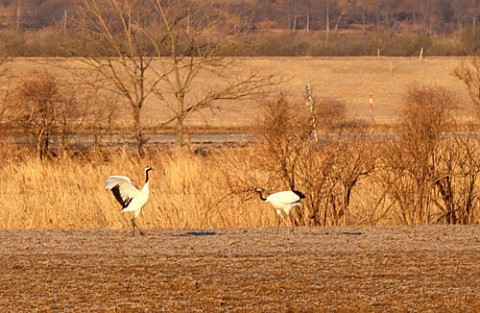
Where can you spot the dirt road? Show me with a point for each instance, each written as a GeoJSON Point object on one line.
{"type": "Point", "coordinates": [396, 269]}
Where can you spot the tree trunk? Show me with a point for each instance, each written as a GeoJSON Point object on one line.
{"type": "Point", "coordinates": [42, 144]}
{"type": "Point", "coordinates": [181, 114]}
{"type": "Point", "coordinates": [327, 21]}
{"type": "Point", "coordinates": [179, 131]}
{"type": "Point", "coordinates": [308, 22]}
{"type": "Point", "coordinates": [339, 19]}
{"type": "Point", "coordinates": [140, 141]}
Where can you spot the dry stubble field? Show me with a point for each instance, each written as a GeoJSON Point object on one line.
{"type": "Point", "coordinates": [370, 269]}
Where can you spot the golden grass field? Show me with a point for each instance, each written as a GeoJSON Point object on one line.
{"type": "Point", "coordinates": [348, 79]}
{"type": "Point", "coordinates": [187, 191]}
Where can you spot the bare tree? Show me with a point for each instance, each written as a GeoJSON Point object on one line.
{"type": "Point", "coordinates": [118, 37]}
{"type": "Point", "coordinates": [355, 159]}
{"type": "Point", "coordinates": [193, 48]}
{"type": "Point", "coordinates": [287, 135]}
{"type": "Point", "coordinates": [159, 49]}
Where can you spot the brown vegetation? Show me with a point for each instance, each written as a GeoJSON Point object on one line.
{"type": "Point", "coordinates": [266, 28]}
{"type": "Point", "coordinates": [425, 175]}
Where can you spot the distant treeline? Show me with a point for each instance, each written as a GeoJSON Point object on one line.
{"type": "Point", "coordinates": [274, 27]}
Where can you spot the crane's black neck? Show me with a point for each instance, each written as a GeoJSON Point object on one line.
{"type": "Point", "coordinates": [260, 193]}
{"type": "Point", "coordinates": [147, 178]}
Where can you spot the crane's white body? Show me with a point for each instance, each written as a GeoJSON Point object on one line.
{"type": "Point", "coordinates": [130, 197]}
{"type": "Point", "coordinates": [283, 202]}
{"type": "Point", "coordinates": [133, 198]}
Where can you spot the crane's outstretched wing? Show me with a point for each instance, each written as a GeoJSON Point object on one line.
{"type": "Point", "coordinates": [122, 188]}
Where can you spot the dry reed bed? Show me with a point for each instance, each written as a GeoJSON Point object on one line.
{"type": "Point", "coordinates": [187, 191]}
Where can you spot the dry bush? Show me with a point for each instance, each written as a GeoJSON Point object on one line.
{"type": "Point", "coordinates": [456, 192]}
{"type": "Point", "coordinates": [43, 108]}
{"type": "Point", "coordinates": [326, 171]}
{"type": "Point", "coordinates": [443, 190]}
{"type": "Point", "coordinates": [330, 174]}
{"type": "Point", "coordinates": [469, 73]}
{"type": "Point", "coordinates": [286, 132]}
{"type": "Point", "coordinates": [412, 163]}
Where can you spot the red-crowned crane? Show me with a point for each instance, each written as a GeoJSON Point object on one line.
{"type": "Point", "coordinates": [283, 202]}
{"type": "Point", "coordinates": [130, 197]}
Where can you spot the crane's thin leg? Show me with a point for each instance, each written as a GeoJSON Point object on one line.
{"type": "Point", "coordinates": [278, 223]}
{"type": "Point", "coordinates": [283, 218]}
{"type": "Point", "coordinates": [135, 225]}
{"type": "Point", "coordinates": [293, 224]}
{"type": "Point", "coordinates": [139, 229]}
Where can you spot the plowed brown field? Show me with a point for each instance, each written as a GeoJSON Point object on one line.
{"type": "Point", "coordinates": [371, 269]}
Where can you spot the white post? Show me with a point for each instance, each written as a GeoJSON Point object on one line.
{"type": "Point", "coordinates": [65, 20]}
{"type": "Point", "coordinates": [310, 103]}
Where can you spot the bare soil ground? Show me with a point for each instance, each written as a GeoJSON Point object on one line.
{"type": "Point", "coordinates": [371, 269]}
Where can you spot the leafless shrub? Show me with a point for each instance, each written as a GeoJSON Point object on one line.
{"type": "Point", "coordinates": [412, 162]}
{"type": "Point", "coordinates": [326, 171]}
{"type": "Point", "coordinates": [43, 109]}
{"type": "Point", "coordinates": [456, 186]}
{"type": "Point", "coordinates": [286, 130]}
{"type": "Point", "coordinates": [4, 90]}
{"type": "Point", "coordinates": [469, 73]}
{"type": "Point", "coordinates": [329, 175]}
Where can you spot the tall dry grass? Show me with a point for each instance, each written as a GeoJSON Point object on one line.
{"type": "Point", "coordinates": [425, 175]}
{"type": "Point", "coordinates": [187, 190]}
